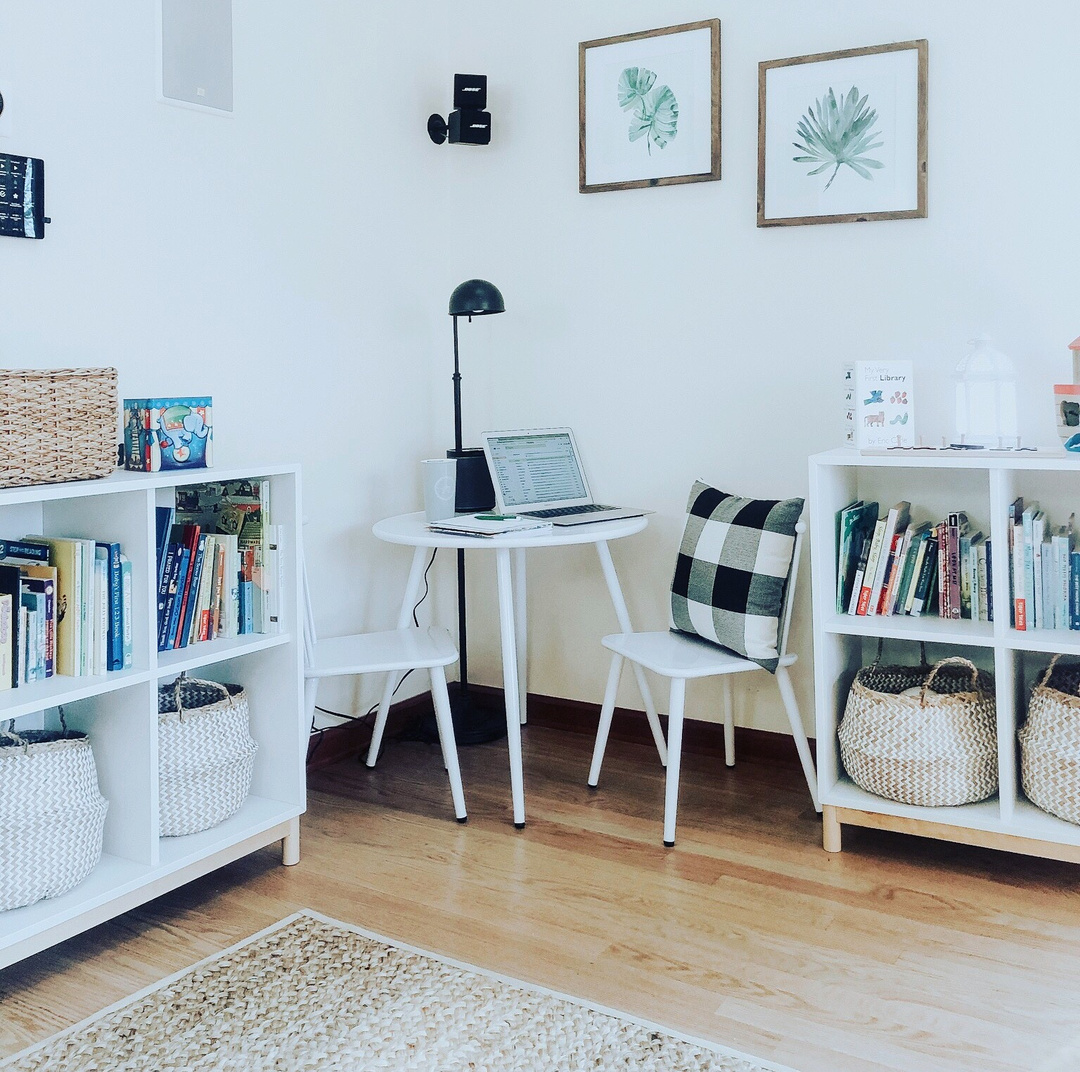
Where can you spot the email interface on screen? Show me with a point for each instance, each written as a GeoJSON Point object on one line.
{"type": "Point", "coordinates": [536, 469]}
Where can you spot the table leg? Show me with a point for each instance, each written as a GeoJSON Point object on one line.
{"type": "Point", "coordinates": [412, 588]}
{"type": "Point", "coordinates": [520, 628]}
{"type": "Point", "coordinates": [510, 682]}
{"type": "Point", "coordinates": [623, 616]}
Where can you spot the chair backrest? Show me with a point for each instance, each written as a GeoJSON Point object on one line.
{"type": "Point", "coordinates": [310, 636]}
{"type": "Point", "coordinates": [789, 593]}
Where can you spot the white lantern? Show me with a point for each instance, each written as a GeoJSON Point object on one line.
{"type": "Point", "coordinates": [986, 397]}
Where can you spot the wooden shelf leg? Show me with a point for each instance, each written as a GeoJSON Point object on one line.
{"type": "Point", "coordinates": [290, 844]}
{"type": "Point", "coordinates": [830, 829]}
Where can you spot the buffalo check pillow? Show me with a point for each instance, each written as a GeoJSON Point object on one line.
{"type": "Point", "coordinates": [732, 570]}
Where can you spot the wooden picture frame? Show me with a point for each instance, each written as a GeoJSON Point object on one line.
{"type": "Point", "coordinates": [842, 136]}
{"type": "Point", "coordinates": [649, 108]}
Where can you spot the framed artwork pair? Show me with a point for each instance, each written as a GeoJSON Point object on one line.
{"type": "Point", "coordinates": [841, 135]}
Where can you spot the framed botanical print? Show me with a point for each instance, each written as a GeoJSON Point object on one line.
{"type": "Point", "coordinates": [649, 108]}
{"type": "Point", "coordinates": [842, 136]}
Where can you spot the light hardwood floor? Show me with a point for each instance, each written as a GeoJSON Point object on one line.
{"type": "Point", "coordinates": [898, 954]}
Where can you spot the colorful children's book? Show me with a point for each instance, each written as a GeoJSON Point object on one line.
{"type": "Point", "coordinates": [11, 588]}
{"type": "Point", "coordinates": [853, 523]}
{"type": "Point", "coordinates": [127, 608]}
{"type": "Point", "coordinates": [896, 521]}
{"type": "Point", "coordinates": [168, 433]}
{"type": "Point", "coordinates": [67, 556]}
{"type": "Point", "coordinates": [43, 579]}
{"type": "Point", "coordinates": [115, 633]}
{"type": "Point", "coordinates": [879, 409]}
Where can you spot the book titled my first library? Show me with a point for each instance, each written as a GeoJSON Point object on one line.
{"type": "Point", "coordinates": [879, 404]}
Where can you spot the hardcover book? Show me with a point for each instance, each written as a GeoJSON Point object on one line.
{"type": "Point", "coordinates": [853, 524]}
{"type": "Point", "coordinates": [880, 404]}
{"type": "Point", "coordinates": [168, 433]}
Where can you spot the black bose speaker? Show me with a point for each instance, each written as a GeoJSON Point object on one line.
{"type": "Point", "coordinates": [470, 91]}
{"type": "Point", "coordinates": [469, 127]}
{"type": "Point", "coordinates": [474, 491]}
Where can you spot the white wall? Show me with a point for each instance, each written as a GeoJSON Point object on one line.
{"type": "Point", "coordinates": [295, 261]}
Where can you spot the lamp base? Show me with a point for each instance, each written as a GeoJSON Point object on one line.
{"type": "Point", "coordinates": [475, 492]}
{"type": "Point", "coordinates": [477, 719]}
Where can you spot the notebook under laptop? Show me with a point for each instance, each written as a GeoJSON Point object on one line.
{"type": "Point", "coordinates": [538, 473]}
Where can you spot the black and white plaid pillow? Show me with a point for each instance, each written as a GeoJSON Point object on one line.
{"type": "Point", "coordinates": [732, 570]}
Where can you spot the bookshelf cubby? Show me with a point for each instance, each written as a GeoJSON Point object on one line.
{"type": "Point", "coordinates": [118, 710]}
{"type": "Point", "coordinates": [983, 484]}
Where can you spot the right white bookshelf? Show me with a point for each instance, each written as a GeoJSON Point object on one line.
{"type": "Point", "coordinates": [983, 484]}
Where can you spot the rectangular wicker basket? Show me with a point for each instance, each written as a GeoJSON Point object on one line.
{"type": "Point", "coordinates": [56, 425]}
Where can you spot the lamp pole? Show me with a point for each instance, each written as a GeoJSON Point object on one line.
{"type": "Point", "coordinates": [463, 639]}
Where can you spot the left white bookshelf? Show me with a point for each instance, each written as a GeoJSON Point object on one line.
{"type": "Point", "coordinates": [118, 710]}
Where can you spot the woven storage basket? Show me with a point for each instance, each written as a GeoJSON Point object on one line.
{"type": "Point", "coordinates": [52, 814]}
{"type": "Point", "coordinates": [1050, 743]}
{"type": "Point", "coordinates": [205, 754]}
{"type": "Point", "coordinates": [922, 736]}
{"type": "Point", "coordinates": [57, 424]}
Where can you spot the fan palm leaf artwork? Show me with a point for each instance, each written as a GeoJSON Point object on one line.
{"type": "Point", "coordinates": [835, 133]}
{"type": "Point", "coordinates": [654, 109]}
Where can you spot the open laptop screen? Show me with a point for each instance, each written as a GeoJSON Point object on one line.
{"type": "Point", "coordinates": [535, 469]}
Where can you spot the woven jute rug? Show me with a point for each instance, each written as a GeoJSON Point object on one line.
{"type": "Point", "coordinates": [314, 993]}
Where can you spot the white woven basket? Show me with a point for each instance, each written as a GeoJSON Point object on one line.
{"type": "Point", "coordinates": [52, 814]}
{"type": "Point", "coordinates": [205, 754]}
{"type": "Point", "coordinates": [903, 740]}
{"type": "Point", "coordinates": [1050, 743]}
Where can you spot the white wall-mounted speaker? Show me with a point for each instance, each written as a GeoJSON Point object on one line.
{"type": "Point", "coordinates": [197, 53]}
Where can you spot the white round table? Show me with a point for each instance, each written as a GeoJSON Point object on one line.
{"type": "Point", "coordinates": [411, 530]}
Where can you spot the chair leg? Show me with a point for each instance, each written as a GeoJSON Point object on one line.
{"type": "Point", "coordinates": [311, 687]}
{"type": "Point", "coordinates": [606, 713]}
{"type": "Point", "coordinates": [729, 723]}
{"type": "Point", "coordinates": [787, 694]}
{"type": "Point", "coordinates": [392, 682]}
{"type": "Point", "coordinates": [674, 759]}
{"type": "Point", "coordinates": [445, 722]}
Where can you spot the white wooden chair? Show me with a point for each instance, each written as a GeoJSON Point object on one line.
{"type": "Point", "coordinates": [680, 658]}
{"type": "Point", "coordinates": [392, 652]}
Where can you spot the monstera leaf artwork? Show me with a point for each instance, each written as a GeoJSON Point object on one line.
{"type": "Point", "coordinates": [835, 133]}
{"type": "Point", "coordinates": [654, 109]}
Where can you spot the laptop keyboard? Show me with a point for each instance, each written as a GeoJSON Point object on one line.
{"type": "Point", "coordinates": [568, 511]}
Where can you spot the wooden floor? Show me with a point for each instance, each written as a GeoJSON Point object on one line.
{"type": "Point", "coordinates": [899, 953]}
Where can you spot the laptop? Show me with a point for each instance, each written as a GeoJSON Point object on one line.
{"type": "Point", "coordinates": [538, 473]}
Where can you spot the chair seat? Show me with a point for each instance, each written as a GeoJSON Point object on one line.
{"type": "Point", "coordinates": [677, 655]}
{"type": "Point", "coordinates": [395, 649]}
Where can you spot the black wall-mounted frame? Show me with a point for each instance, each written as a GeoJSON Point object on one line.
{"type": "Point", "coordinates": [22, 196]}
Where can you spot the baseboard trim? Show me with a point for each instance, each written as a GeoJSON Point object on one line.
{"type": "Point", "coordinates": [348, 739]}
{"type": "Point", "coordinates": [569, 716]}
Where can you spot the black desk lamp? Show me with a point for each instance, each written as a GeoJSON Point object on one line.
{"type": "Point", "coordinates": [475, 297]}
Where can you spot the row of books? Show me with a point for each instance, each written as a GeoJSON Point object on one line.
{"type": "Point", "coordinates": [890, 565]}
{"type": "Point", "coordinates": [65, 608]}
{"type": "Point", "coordinates": [219, 564]}
{"type": "Point", "coordinates": [1044, 570]}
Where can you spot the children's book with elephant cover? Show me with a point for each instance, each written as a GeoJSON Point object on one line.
{"type": "Point", "coordinates": [168, 433]}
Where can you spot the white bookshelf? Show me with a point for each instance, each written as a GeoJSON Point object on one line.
{"type": "Point", "coordinates": [982, 484]}
{"type": "Point", "coordinates": [119, 710]}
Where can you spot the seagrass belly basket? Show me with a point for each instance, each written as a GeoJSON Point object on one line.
{"type": "Point", "coordinates": [1050, 743]}
{"type": "Point", "coordinates": [52, 814]}
{"type": "Point", "coordinates": [922, 735]}
{"type": "Point", "coordinates": [205, 754]}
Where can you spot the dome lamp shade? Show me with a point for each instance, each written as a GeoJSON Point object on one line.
{"type": "Point", "coordinates": [476, 297]}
